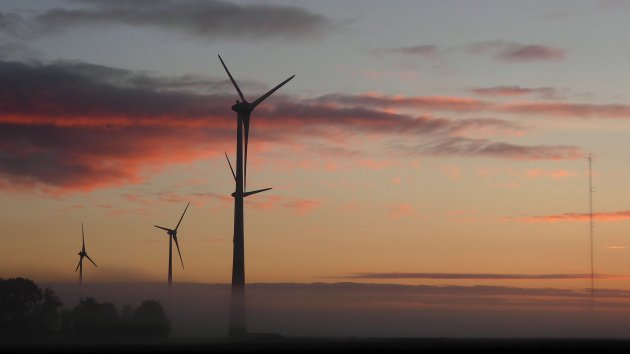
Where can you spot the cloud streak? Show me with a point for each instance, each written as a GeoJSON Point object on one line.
{"type": "Point", "coordinates": [205, 19]}
{"type": "Point", "coordinates": [427, 51]}
{"type": "Point", "coordinates": [510, 52]}
{"type": "Point", "coordinates": [475, 276]}
{"type": "Point", "coordinates": [510, 91]}
{"type": "Point", "coordinates": [459, 146]}
{"type": "Point", "coordinates": [611, 216]}
{"type": "Point", "coordinates": [473, 105]}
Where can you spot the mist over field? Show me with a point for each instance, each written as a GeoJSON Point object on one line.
{"type": "Point", "coordinates": [376, 310]}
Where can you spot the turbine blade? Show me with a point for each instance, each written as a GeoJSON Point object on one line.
{"type": "Point", "coordinates": [232, 79]}
{"type": "Point", "coordinates": [163, 228]}
{"type": "Point", "coordinates": [264, 97]}
{"type": "Point", "coordinates": [229, 163]}
{"type": "Point", "coordinates": [88, 257]}
{"type": "Point", "coordinates": [180, 219]}
{"type": "Point", "coordinates": [246, 126]}
{"type": "Point", "coordinates": [256, 191]}
{"type": "Point", "coordinates": [80, 260]}
{"type": "Point", "coordinates": [180, 254]}
{"type": "Point", "coordinates": [83, 237]}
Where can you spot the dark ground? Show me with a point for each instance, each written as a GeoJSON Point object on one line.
{"type": "Point", "coordinates": [320, 345]}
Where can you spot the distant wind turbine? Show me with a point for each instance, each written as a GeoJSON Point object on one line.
{"type": "Point", "coordinates": [82, 254]}
{"type": "Point", "coordinates": [172, 235]}
{"type": "Point", "coordinates": [243, 109]}
{"type": "Point", "coordinates": [591, 228]}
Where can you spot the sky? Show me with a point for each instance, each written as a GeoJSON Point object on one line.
{"type": "Point", "coordinates": [420, 142]}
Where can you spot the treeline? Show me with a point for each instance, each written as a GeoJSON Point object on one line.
{"type": "Point", "coordinates": [27, 309]}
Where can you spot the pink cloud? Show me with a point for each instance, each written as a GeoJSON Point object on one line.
{"type": "Point", "coordinates": [458, 146]}
{"type": "Point", "coordinates": [557, 173]}
{"type": "Point", "coordinates": [402, 209]}
{"type": "Point", "coordinates": [70, 128]}
{"type": "Point", "coordinates": [302, 206]}
{"type": "Point", "coordinates": [451, 171]}
{"type": "Point", "coordinates": [508, 91]}
{"type": "Point", "coordinates": [568, 109]}
{"type": "Point", "coordinates": [612, 216]}
{"type": "Point", "coordinates": [330, 166]}
{"type": "Point", "coordinates": [375, 165]}
{"type": "Point", "coordinates": [271, 202]}
{"type": "Point", "coordinates": [449, 103]}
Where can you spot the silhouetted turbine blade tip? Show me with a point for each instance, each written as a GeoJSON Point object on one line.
{"type": "Point", "coordinates": [163, 228]}
{"type": "Point", "coordinates": [264, 97]}
{"type": "Point", "coordinates": [232, 79]}
{"type": "Point", "coordinates": [229, 163]}
{"type": "Point", "coordinates": [256, 191]}
{"type": "Point", "coordinates": [246, 126]}
{"type": "Point", "coordinates": [88, 257]}
{"type": "Point", "coordinates": [180, 219]}
{"type": "Point", "coordinates": [180, 254]}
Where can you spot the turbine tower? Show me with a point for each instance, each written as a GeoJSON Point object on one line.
{"type": "Point", "coordinates": [81, 255]}
{"type": "Point", "coordinates": [243, 109]}
{"type": "Point", "coordinates": [591, 228]}
{"type": "Point", "coordinates": [172, 235]}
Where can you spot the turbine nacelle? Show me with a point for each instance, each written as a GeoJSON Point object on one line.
{"type": "Point", "coordinates": [83, 254]}
{"type": "Point", "coordinates": [243, 107]}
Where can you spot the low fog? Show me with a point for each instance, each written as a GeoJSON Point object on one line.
{"type": "Point", "coordinates": [375, 310]}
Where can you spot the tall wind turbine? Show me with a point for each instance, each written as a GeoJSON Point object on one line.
{"type": "Point", "coordinates": [243, 109]}
{"type": "Point", "coordinates": [172, 235]}
{"type": "Point", "coordinates": [81, 255]}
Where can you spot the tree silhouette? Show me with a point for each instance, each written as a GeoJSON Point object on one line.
{"type": "Point", "coordinates": [27, 309]}
{"type": "Point", "coordinates": [24, 307]}
{"type": "Point", "coordinates": [91, 317]}
{"type": "Point", "coordinates": [149, 318]}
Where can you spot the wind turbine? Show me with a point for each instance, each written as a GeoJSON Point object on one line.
{"type": "Point", "coordinates": [243, 109]}
{"type": "Point", "coordinates": [81, 255]}
{"type": "Point", "coordinates": [172, 235]}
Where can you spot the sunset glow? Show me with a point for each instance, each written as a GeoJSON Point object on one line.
{"type": "Point", "coordinates": [416, 145]}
